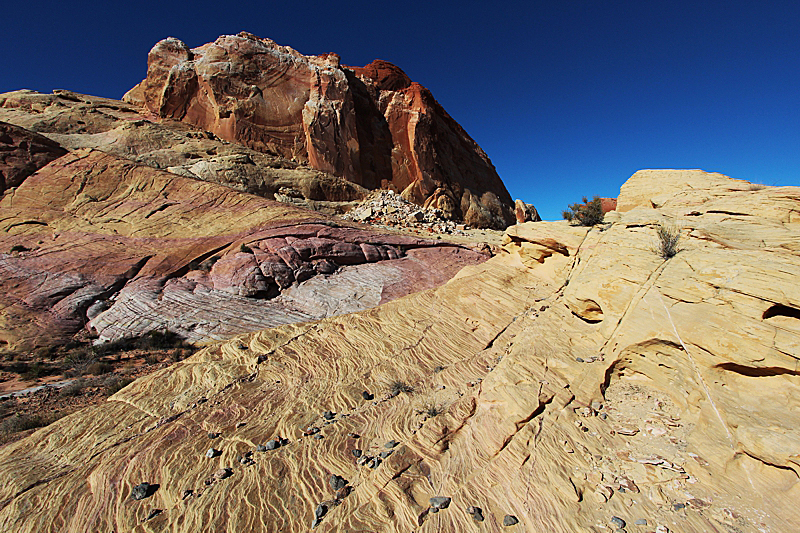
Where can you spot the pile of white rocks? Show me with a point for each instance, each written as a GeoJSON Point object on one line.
{"type": "Point", "coordinates": [388, 208]}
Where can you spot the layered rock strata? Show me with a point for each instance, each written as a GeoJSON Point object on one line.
{"type": "Point", "coordinates": [371, 125]}
{"type": "Point", "coordinates": [577, 382]}
{"type": "Point", "coordinates": [93, 240]}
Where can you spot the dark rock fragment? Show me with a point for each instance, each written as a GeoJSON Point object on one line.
{"type": "Point", "coordinates": [440, 502]}
{"type": "Point", "coordinates": [476, 512]}
{"type": "Point", "coordinates": [140, 491]}
{"type": "Point", "coordinates": [338, 482]}
{"type": "Point", "coordinates": [510, 520]}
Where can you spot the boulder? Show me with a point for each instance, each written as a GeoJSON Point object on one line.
{"type": "Point", "coordinates": [370, 125]}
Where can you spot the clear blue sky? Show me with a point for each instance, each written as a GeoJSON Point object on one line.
{"type": "Point", "coordinates": [567, 97]}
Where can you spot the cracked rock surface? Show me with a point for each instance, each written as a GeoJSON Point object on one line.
{"type": "Point", "coordinates": [585, 382]}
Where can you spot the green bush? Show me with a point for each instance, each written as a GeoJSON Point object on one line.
{"type": "Point", "coordinates": [586, 213]}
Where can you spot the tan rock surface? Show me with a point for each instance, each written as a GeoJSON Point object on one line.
{"type": "Point", "coordinates": [582, 379]}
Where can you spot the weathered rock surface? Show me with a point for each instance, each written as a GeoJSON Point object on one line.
{"type": "Point", "coordinates": [644, 389]}
{"type": "Point", "coordinates": [22, 153]}
{"type": "Point", "coordinates": [525, 212]}
{"type": "Point", "coordinates": [125, 249]}
{"type": "Point", "coordinates": [114, 127]}
{"type": "Point", "coordinates": [371, 125]}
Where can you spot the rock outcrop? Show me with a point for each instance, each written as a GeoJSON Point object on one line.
{"type": "Point", "coordinates": [96, 241]}
{"type": "Point", "coordinates": [22, 153]}
{"type": "Point", "coordinates": [371, 125]}
{"type": "Point", "coordinates": [577, 381]}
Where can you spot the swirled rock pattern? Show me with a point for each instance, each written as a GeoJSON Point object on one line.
{"type": "Point", "coordinates": [371, 125]}
{"type": "Point", "coordinates": [644, 389]}
{"type": "Point", "coordinates": [93, 240]}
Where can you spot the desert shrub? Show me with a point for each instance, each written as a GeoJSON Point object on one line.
{"type": "Point", "coordinates": [18, 423]}
{"type": "Point", "coordinates": [152, 340]}
{"type": "Point", "coordinates": [151, 359]}
{"type": "Point", "coordinates": [19, 367]}
{"type": "Point", "coordinates": [81, 356]}
{"type": "Point", "coordinates": [35, 371]}
{"type": "Point", "coordinates": [397, 386]}
{"type": "Point", "coordinates": [73, 389]}
{"type": "Point", "coordinates": [114, 383]}
{"type": "Point", "coordinates": [669, 236]}
{"type": "Point", "coordinates": [430, 409]}
{"type": "Point", "coordinates": [18, 248]}
{"type": "Point", "coordinates": [99, 367]}
{"type": "Point", "coordinates": [246, 249]}
{"type": "Point", "coordinates": [587, 213]}
{"type": "Point", "coordinates": [756, 186]}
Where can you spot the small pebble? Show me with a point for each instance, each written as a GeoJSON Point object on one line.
{"type": "Point", "coordinates": [318, 436]}
{"type": "Point", "coordinates": [213, 435]}
{"type": "Point", "coordinates": [240, 424]}
{"type": "Point", "coordinates": [354, 435]}
{"type": "Point", "coordinates": [641, 522]}
{"type": "Point", "coordinates": [510, 520]}
{"type": "Point", "coordinates": [476, 512]}
{"type": "Point", "coordinates": [260, 359]}
{"type": "Point", "coordinates": [617, 521]}
{"type": "Point", "coordinates": [391, 444]}
{"type": "Point", "coordinates": [678, 506]}
{"type": "Point", "coordinates": [211, 453]}
{"type": "Point", "coordinates": [356, 453]}
{"type": "Point", "coordinates": [603, 416]}
{"type": "Point", "coordinates": [579, 359]}
{"type": "Point", "coordinates": [261, 448]}
{"type": "Point", "coordinates": [384, 455]}
{"type": "Point", "coordinates": [367, 396]}
{"type": "Point", "coordinates": [375, 463]}
{"type": "Point", "coordinates": [187, 493]}
{"type": "Point", "coordinates": [328, 415]}
{"type": "Point", "coordinates": [140, 491]}
{"type": "Point", "coordinates": [222, 473]}
{"type": "Point", "coordinates": [337, 482]}
{"type": "Point", "coordinates": [440, 502]}
{"type": "Point", "coordinates": [152, 514]}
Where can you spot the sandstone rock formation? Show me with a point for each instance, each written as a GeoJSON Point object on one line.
{"type": "Point", "coordinates": [111, 126]}
{"type": "Point", "coordinates": [97, 241]}
{"type": "Point", "coordinates": [370, 125]}
{"type": "Point", "coordinates": [575, 382]}
{"type": "Point", "coordinates": [22, 153]}
{"type": "Point", "coordinates": [525, 212]}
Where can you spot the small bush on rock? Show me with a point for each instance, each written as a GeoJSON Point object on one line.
{"type": "Point", "coordinates": [586, 213]}
{"type": "Point", "coordinates": [398, 386]}
{"type": "Point", "coordinates": [669, 236]}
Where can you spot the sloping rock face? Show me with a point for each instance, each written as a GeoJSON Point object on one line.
{"type": "Point", "coordinates": [114, 127]}
{"type": "Point", "coordinates": [644, 393]}
{"type": "Point", "coordinates": [370, 125]}
{"type": "Point", "coordinates": [96, 241]}
{"type": "Point", "coordinates": [22, 153]}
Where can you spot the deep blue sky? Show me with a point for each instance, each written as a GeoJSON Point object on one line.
{"type": "Point", "coordinates": [567, 97]}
